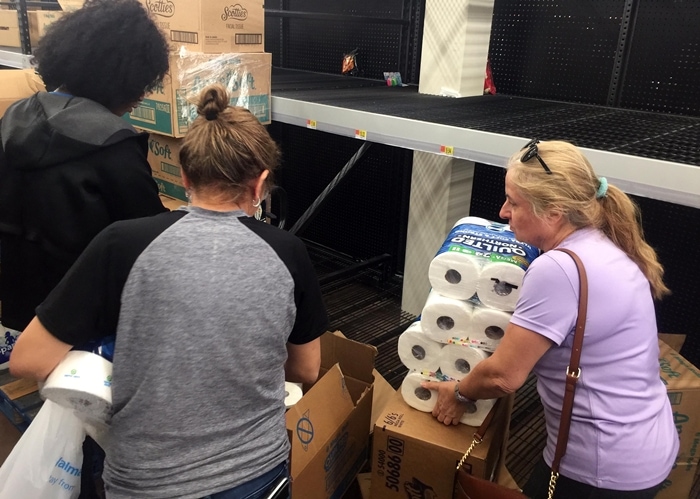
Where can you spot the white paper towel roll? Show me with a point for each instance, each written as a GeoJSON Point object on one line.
{"type": "Point", "coordinates": [292, 393]}
{"type": "Point", "coordinates": [82, 381]}
{"type": "Point", "coordinates": [424, 400]}
{"type": "Point", "coordinates": [454, 274]}
{"type": "Point", "coordinates": [499, 285]}
{"type": "Point", "coordinates": [444, 319]}
{"type": "Point", "coordinates": [488, 327]}
{"type": "Point", "coordinates": [457, 361]}
{"type": "Point", "coordinates": [417, 350]}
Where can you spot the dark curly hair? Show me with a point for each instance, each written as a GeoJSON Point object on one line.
{"type": "Point", "coordinates": [109, 51]}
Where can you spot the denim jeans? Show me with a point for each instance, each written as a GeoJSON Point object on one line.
{"type": "Point", "coordinates": [254, 489]}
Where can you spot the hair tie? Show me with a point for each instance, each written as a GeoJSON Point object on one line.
{"type": "Point", "coordinates": [602, 188]}
{"type": "Point", "coordinates": [211, 114]}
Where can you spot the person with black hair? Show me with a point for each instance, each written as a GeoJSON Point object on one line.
{"type": "Point", "coordinates": [206, 337]}
{"type": "Point", "coordinates": [69, 164]}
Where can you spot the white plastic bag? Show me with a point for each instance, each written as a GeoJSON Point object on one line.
{"type": "Point", "coordinates": [46, 462]}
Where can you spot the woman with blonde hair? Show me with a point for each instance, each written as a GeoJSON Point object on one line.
{"type": "Point", "coordinates": [622, 440]}
{"type": "Point", "coordinates": [212, 311]}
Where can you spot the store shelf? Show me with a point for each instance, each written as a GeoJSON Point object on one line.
{"type": "Point", "coordinates": [648, 154]}
{"type": "Point", "coordinates": [14, 58]}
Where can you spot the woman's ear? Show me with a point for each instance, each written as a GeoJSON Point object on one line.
{"type": "Point", "coordinates": [259, 185]}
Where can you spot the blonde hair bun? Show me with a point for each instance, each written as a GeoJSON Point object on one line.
{"type": "Point", "coordinates": [212, 101]}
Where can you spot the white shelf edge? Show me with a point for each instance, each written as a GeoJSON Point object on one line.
{"type": "Point", "coordinates": [656, 179]}
{"type": "Point", "coordinates": [14, 58]}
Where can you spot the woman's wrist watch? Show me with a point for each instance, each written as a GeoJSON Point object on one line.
{"type": "Point", "coordinates": [462, 398]}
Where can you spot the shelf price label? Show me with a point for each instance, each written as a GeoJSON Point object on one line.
{"type": "Point", "coordinates": [447, 150]}
{"type": "Point", "coordinates": [361, 134]}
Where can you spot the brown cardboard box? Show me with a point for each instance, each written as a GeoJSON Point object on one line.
{"type": "Point", "coordinates": [164, 158]}
{"type": "Point", "coordinates": [414, 453]}
{"type": "Point", "coordinates": [39, 20]}
{"type": "Point", "coordinates": [682, 380]}
{"type": "Point", "coordinates": [171, 109]}
{"type": "Point", "coordinates": [211, 26]}
{"type": "Point", "coordinates": [680, 481]}
{"type": "Point", "coordinates": [16, 84]}
{"type": "Point", "coordinates": [9, 28]}
{"type": "Point", "coordinates": [328, 427]}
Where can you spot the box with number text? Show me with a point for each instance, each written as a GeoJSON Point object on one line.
{"type": "Point", "coordinates": [414, 455]}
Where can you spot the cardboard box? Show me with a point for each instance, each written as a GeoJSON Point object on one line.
{"type": "Point", "coordinates": [328, 427]}
{"type": "Point", "coordinates": [682, 380]}
{"type": "Point", "coordinates": [680, 482]}
{"type": "Point", "coordinates": [164, 158]}
{"type": "Point", "coordinates": [211, 26]}
{"type": "Point", "coordinates": [414, 455]}
{"type": "Point", "coordinates": [39, 20]}
{"type": "Point", "coordinates": [9, 28]}
{"type": "Point", "coordinates": [171, 109]}
{"type": "Point", "coordinates": [16, 84]}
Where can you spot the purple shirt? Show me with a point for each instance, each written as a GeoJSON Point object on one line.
{"type": "Point", "coordinates": [622, 433]}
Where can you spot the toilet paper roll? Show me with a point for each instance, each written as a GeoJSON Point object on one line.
{"type": "Point", "coordinates": [424, 400]}
{"type": "Point", "coordinates": [499, 285]}
{"type": "Point", "coordinates": [292, 393]}
{"type": "Point", "coordinates": [418, 351]}
{"type": "Point", "coordinates": [82, 381]}
{"type": "Point", "coordinates": [457, 361]}
{"type": "Point", "coordinates": [415, 395]}
{"type": "Point", "coordinates": [487, 327]}
{"type": "Point", "coordinates": [476, 413]}
{"type": "Point", "coordinates": [444, 319]}
{"type": "Point", "coordinates": [454, 274]}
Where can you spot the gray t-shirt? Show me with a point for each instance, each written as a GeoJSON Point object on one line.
{"type": "Point", "coordinates": [203, 304]}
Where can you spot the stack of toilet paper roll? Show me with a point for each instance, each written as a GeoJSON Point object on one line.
{"type": "Point", "coordinates": [424, 400]}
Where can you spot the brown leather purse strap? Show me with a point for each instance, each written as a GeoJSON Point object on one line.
{"type": "Point", "coordinates": [573, 371]}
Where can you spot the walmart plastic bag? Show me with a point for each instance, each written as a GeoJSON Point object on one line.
{"type": "Point", "coordinates": [46, 462]}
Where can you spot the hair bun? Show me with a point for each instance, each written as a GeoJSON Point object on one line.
{"type": "Point", "coordinates": [213, 100]}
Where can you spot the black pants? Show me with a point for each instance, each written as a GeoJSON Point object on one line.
{"type": "Point", "coordinates": [538, 484]}
{"type": "Point", "coordinates": [91, 472]}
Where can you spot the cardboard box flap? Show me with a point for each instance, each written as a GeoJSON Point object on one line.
{"type": "Point", "coordinates": [677, 373]}
{"type": "Point", "coordinates": [356, 359]}
{"type": "Point", "coordinates": [71, 5]}
{"type": "Point", "coordinates": [314, 419]}
{"type": "Point", "coordinates": [17, 84]}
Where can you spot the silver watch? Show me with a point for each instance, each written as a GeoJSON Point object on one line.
{"type": "Point", "coordinates": [462, 398]}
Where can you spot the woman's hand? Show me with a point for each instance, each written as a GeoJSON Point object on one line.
{"type": "Point", "coordinates": [448, 409]}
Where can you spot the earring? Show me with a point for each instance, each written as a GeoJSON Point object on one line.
{"type": "Point", "coordinates": [188, 195]}
{"type": "Point", "coordinates": [256, 204]}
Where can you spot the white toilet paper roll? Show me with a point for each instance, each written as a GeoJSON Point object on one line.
{"type": "Point", "coordinates": [418, 351]}
{"type": "Point", "coordinates": [457, 361]}
{"type": "Point", "coordinates": [488, 327]}
{"type": "Point", "coordinates": [415, 395]}
{"type": "Point", "coordinates": [292, 393]}
{"type": "Point", "coordinates": [424, 400]}
{"type": "Point", "coordinates": [476, 413]}
{"type": "Point", "coordinates": [454, 274]}
{"type": "Point", "coordinates": [82, 381]}
{"type": "Point", "coordinates": [499, 285]}
{"type": "Point", "coordinates": [443, 319]}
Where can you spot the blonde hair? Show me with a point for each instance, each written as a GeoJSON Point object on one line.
{"type": "Point", "coordinates": [572, 190]}
{"type": "Point", "coordinates": [226, 147]}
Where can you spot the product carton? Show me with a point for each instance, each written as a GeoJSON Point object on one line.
{"type": "Point", "coordinates": [329, 427]}
{"type": "Point", "coordinates": [680, 482]}
{"type": "Point", "coordinates": [171, 109]}
{"type": "Point", "coordinates": [164, 158]}
{"type": "Point", "coordinates": [414, 455]}
{"type": "Point", "coordinates": [211, 26]}
{"type": "Point", "coordinates": [17, 84]}
{"type": "Point", "coordinates": [39, 20]}
{"type": "Point", "coordinates": [9, 28]}
{"type": "Point", "coordinates": [682, 380]}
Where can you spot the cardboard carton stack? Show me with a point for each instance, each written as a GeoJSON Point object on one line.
{"type": "Point", "coordinates": [38, 20]}
{"type": "Point", "coordinates": [212, 41]}
{"type": "Point", "coordinates": [682, 380]}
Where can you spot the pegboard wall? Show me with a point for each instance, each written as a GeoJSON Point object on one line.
{"type": "Point", "coordinates": [314, 35]}
{"type": "Point", "coordinates": [668, 228]}
{"type": "Point", "coordinates": [619, 53]}
{"type": "Point", "coordinates": [366, 215]}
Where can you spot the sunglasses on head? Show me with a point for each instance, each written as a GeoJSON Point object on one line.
{"type": "Point", "coordinates": [533, 153]}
